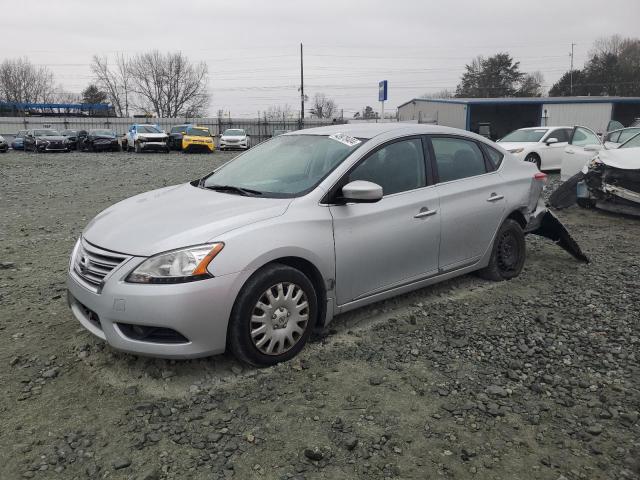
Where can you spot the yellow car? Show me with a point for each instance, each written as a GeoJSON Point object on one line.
{"type": "Point", "coordinates": [197, 139]}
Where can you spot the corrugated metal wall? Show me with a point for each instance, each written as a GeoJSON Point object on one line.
{"type": "Point", "coordinates": [592, 115]}
{"type": "Point", "coordinates": [447, 114]}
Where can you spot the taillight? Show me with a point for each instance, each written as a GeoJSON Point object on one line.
{"type": "Point", "coordinates": [540, 177]}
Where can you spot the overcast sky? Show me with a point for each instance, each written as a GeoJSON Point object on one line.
{"type": "Point", "coordinates": [252, 47]}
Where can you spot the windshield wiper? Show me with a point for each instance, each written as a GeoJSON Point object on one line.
{"type": "Point", "coordinates": [247, 192]}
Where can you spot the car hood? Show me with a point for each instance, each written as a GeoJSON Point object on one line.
{"type": "Point", "coordinates": [176, 217]}
{"type": "Point", "coordinates": [233, 137]}
{"type": "Point", "coordinates": [55, 138]}
{"type": "Point", "coordinates": [622, 158]}
{"type": "Point", "coordinates": [102, 137]}
{"type": "Point", "coordinates": [514, 145]}
{"type": "Point", "coordinates": [153, 135]}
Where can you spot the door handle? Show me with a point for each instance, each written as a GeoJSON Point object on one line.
{"type": "Point", "coordinates": [425, 212]}
{"type": "Point", "coordinates": [495, 198]}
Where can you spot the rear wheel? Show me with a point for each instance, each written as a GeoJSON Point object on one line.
{"type": "Point", "coordinates": [272, 316]}
{"type": "Point", "coordinates": [508, 254]}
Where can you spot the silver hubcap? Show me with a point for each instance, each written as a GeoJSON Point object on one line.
{"type": "Point", "coordinates": [279, 318]}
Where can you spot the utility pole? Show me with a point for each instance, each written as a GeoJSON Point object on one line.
{"type": "Point", "coordinates": [571, 71]}
{"type": "Point", "coordinates": [301, 86]}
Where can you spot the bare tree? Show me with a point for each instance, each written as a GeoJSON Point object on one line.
{"type": "Point", "coordinates": [278, 112]}
{"type": "Point", "coordinates": [445, 93]}
{"type": "Point", "coordinates": [21, 81]}
{"type": "Point", "coordinates": [169, 85]}
{"type": "Point", "coordinates": [115, 81]}
{"type": "Point", "coordinates": [323, 107]}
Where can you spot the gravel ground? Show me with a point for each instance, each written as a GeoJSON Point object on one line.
{"type": "Point", "coordinates": [536, 378]}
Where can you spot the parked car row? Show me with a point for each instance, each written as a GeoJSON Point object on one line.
{"type": "Point", "coordinates": [567, 149]}
{"type": "Point", "coordinates": [139, 138]}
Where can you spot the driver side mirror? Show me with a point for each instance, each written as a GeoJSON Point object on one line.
{"type": "Point", "coordinates": [361, 191]}
{"type": "Point", "coordinates": [551, 140]}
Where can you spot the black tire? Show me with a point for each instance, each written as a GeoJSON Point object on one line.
{"type": "Point", "coordinates": [508, 253]}
{"type": "Point", "coordinates": [239, 337]}
{"type": "Point", "coordinates": [534, 158]}
{"type": "Point", "coordinates": [137, 148]}
{"type": "Point", "coordinates": [586, 203]}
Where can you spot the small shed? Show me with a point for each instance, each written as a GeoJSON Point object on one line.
{"type": "Point", "coordinates": [499, 116]}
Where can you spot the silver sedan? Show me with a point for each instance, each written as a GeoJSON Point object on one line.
{"type": "Point", "coordinates": [304, 226]}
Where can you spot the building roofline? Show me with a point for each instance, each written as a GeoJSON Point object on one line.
{"type": "Point", "coordinates": [525, 100]}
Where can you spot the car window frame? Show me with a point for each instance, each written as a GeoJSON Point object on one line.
{"type": "Point", "coordinates": [330, 198]}
{"type": "Point", "coordinates": [586, 128]}
{"type": "Point", "coordinates": [488, 163]}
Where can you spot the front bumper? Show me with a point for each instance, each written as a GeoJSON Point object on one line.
{"type": "Point", "coordinates": [197, 147]}
{"type": "Point", "coordinates": [157, 146]}
{"type": "Point", "coordinates": [53, 148]}
{"type": "Point", "coordinates": [233, 146]}
{"type": "Point", "coordinates": [199, 311]}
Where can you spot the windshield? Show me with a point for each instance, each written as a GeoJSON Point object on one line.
{"type": "Point", "coordinates": [632, 143]}
{"type": "Point", "coordinates": [147, 129]}
{"type": "Point", "coordinates": [524, 136]}
{"type": "Point", "coordinates": [45, 133]}
{"type": "Point", "coordinates": [104, 133]}
{"type": "Point", "coordinates": [285, 166]}
{"type": "Point", "coordinates": [69, 132]}
{"type": "Point", "coordinates": [178, 128]}
{"type": "Point", "coordinates": [235, 132]}
{"type": "Point", "coordinates": [198, 132]}
{"type": "Point", "coordinates": [21, 134]}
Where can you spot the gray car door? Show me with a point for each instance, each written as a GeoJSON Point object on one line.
{"type": "Point", "coordinates": [395, 240]}
{"type": "Point", "coordinates": [472, 200]}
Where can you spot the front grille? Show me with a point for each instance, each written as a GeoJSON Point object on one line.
{"type": "Point", "coordinates": [93, 264]}
{"type": "Point", "coordinates": [232, 141]}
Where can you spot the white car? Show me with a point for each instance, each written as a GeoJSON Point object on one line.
{"type": "Point", "coordinates": [234, 138]}
{"type": "Point", "coordinates": [583, 145]}
{"type": "Point", "coordinates": [146, 137]}
{"type": "Point", "coordinates": [617, 137]}
{"type": "Point", "coordinates": [540, 145]}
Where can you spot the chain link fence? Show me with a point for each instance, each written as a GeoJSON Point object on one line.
{"type": "Point", "coordinates": [258, 129]}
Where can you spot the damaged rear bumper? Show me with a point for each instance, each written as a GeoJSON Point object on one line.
{"type": "Point", "coordinates": [545, 224]}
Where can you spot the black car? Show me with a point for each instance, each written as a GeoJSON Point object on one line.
{"type": "Point", "coordinates": [45, 140]}
{"type": "Point", "coordinates": [175, 136]}
{"type": "Point", "coordinates": [4, 146]}
{"type": "Point", "coordinates": [72, 138]}
{"type": "Point", "coordinates": [98, 140]}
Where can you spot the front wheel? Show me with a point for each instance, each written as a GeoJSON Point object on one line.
{"type": "Point", "coordinates": [508, 253]}
{"type": "Point", "coordinates": [534, 158]}
{"type": "Point", "coordinates": [273, 316]}
{"type": "Point", "coordinates": [137, 147]}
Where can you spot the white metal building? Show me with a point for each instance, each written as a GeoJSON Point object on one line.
{"type": "Point", "coordinates": [503, 115]}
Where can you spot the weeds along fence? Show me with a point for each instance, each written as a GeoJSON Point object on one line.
{"type": "Point", "coordinates": [258, 129]}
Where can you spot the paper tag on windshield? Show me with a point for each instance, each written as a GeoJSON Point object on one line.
{"type": "Point", "coordinates": [348, 140]}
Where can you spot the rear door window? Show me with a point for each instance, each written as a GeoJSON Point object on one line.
{"type": "Point", "coordinates": [583, 136]}
{"type": "Point", "coordinates": [457, 158]}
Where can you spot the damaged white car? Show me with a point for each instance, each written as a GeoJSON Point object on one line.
{"type": "Point", "coordinates": [611, 181]}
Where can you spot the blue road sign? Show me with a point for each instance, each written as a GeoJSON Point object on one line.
{"type": "Point", "coordinates": [382, 91]}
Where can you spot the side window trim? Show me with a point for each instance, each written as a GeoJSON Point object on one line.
{"type": "Point", "coordinates": [330, 196]}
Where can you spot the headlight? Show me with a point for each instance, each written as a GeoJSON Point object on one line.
{"type": "Point", "coordinates": [178, 266]}
{"type": "Point", "coordinates": [516, 150]}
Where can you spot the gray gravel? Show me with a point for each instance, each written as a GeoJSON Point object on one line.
{"type": "Point", "coordinates": [536, 378]}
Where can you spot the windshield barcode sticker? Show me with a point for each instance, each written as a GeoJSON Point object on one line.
{"type": "Point", "coordinates": [346, 139]}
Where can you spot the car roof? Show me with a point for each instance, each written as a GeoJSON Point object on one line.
{"type": "Point", "coordinates": [370, 130]}
{"type": "Point", "coordinates": [546, 127]}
